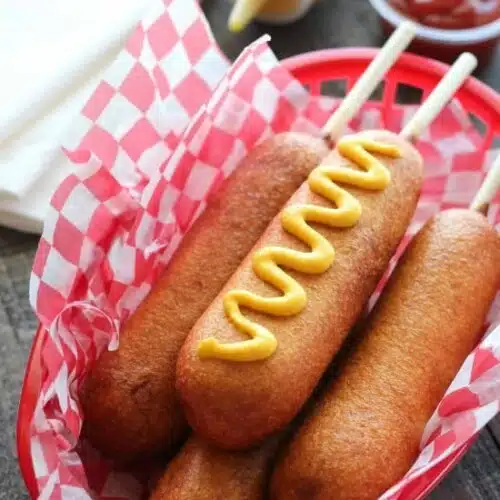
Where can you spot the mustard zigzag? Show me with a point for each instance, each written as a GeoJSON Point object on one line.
{"type": "Point", "coordinates": [268, 261]}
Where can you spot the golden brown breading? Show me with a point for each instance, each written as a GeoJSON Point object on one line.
{"type": "Point", "coordinates": [129, 401]}
{"type": "Point", "coordinates": [236, 405]}
{"type": "Point", "coordinates": [202, 472]}
{"type": "Point", "coordinates": [365, 434]}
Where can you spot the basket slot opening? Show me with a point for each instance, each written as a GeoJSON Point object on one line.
{"type": "Point", "coordinates": [334, 88]}
{"type": "Point", "coordinates": [487, 132]}
{"type": "Point", "coordinates": [408, 94]}
{"type": "Point", "coordinates": [340, 87]}
{"type": "Point", "coordinates": [478, 124]}
{"type": "Point", "coordinates": [396, 93]}
{"type": "Point", "coordinates": [378, 93]}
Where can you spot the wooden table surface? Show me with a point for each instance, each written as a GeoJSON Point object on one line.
{"type": "Point", "coordinates": [349, 23]}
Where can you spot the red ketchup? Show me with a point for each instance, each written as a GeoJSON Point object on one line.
{"type": "Point", "coordinates": [446, 28]}
{"type": "Point", "coordinates": [449, 14]}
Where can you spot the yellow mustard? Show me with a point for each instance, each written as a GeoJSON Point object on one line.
{"type": "Point", "coordinates": [268, 261]}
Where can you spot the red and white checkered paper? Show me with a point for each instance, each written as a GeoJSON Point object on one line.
{"type": "Point", "coordinates": [162, 132]}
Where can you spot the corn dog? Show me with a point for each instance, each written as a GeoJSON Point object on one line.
{"type": "Point", "coordinates": [364, 435]}
{"type": "Point", "coordinates": [235, 391]}
{"type": "Point", "coordinates": [129, 401]}
{"type": "Point", "coordinates": [202, 472]}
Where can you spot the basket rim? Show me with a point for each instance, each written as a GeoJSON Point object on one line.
{"type": "Point", "coordinates": [473, 89]}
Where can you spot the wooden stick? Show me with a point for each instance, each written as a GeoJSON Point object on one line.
{"type": "Point", "coordinates": [440, 96]}
{"type": "Point", "coordinates": [488, 189]}
{"type": "Point", "coordinates": [369, 80]}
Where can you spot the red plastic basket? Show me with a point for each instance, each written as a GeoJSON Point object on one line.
{"type": "Point", "coordinates": [312, 69]}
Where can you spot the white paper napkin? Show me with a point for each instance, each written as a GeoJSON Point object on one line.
{"type": "Point", "coordinates": [52, 54]}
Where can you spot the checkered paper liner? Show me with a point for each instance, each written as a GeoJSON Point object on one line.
{"type": "Point", "coordinates": [150, 148]}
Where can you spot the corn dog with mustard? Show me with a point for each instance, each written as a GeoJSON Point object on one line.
{"type": "Point", "coordinates": [256, 354]}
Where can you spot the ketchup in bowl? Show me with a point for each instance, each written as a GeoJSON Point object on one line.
{"type": "Point", "coordinates": [450, 14]}
{"type": "Point", "coordinates": [446, 28]}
